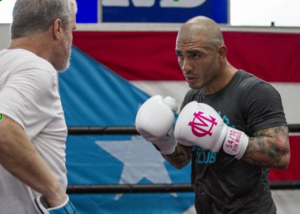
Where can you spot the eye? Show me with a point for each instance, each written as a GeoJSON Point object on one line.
{"type": "Point", "coordinates": [180, 56]}
{"type": "Point", "coordinates": [195, 55]}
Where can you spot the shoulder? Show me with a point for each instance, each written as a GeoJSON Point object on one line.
{"type": "Point", "coordinates": [254, 85]}
{"type": "Point", "coordinates": [26, 72]}
{"type": "Point", "coordinates": [248, 80]}
{"type": "Point", "coordinates": [26, 65]}
{"type": "Point", "coordinates": [250, 84]}
{"type": "Point", "coordinates": [21, 59]}
{"type": "Point", "coordinates": [261, 105]}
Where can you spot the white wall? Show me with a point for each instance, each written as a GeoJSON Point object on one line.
{"type": "Point", "coordinates": [5, 35]}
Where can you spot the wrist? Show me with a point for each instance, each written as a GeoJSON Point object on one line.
{"type": "Point", "coordinates": [56, 197]}
{"type": "Point", "coordinates": [58, 201]}
{"type": "Point", "coordinates": [61, 205]}
{"type": "Point", "coordinates": [235, 142]}
{"type": "Point", "coordinates": [173, 154]}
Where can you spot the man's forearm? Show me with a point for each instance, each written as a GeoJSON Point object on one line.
{"type": "Point", "coordinates": [180, 157]}
{"type": "Point", "coordinates": [269, 148]}
{"type": "Point", "coordinates": [20, 158]}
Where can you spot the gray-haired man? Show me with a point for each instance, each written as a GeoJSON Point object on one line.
{"type": "Point", "coordinates": [33, 129]}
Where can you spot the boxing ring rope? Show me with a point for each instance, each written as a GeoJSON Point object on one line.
{"type": "Point", "coordinates": [129, 130]}
{"type": "Point", "coordinates": [157, 188]}
{"type": "Point", "coordinates": [104, 130]}
{"type": "Point", "coordinates": [149, 188]}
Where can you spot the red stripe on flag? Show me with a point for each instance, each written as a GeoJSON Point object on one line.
{"type": "Point", "coordinates": [151, 55]}
{"type": "Point", "coordinates": [270, 56]}
{"type": "Point", "coordinates": [133, 55]}
{"type": "Point", "coordinates": [293, 172]}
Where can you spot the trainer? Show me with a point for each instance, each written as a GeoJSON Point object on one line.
{"type": "Point", "coordinates": [231, 126]}
{"type": "Point", "coordinates": [33, 129]}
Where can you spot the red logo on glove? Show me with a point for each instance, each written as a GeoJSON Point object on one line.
{"type": "Point", "coordinates": [200, 121]}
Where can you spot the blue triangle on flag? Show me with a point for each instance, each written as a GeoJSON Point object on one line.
{"type": "Point", "coordinates": [93, 95]}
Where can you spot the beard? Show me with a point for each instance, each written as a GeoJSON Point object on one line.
{"type": "Point", "coordinates": [61, 60]}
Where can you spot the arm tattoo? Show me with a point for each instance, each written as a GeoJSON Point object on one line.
{"type": "Point", "coordinates": [180, 157]}
{"type": "Point", "coordinates": [269, 148]}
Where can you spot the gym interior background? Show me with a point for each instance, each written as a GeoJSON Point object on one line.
{"type": "Point", "coordinates": [123, 53]}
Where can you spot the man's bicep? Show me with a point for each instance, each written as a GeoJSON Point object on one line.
{"type": "Point", "coordinates": [11, 132]}
{"type": "Point", "coordinates": [273, 132]}
{"type": "Point", "coordinates": [263, 108]}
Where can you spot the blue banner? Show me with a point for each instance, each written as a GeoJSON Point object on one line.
{"type": "Point", "coordinates": [151, 11]}
{"type": "Point", "coordinates": [87, 11]}
{"type": "Point", "coordinates": [160, 11]}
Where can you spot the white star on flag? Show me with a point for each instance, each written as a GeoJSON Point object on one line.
{"type": "Point", "coordinates": [191, 210]}
{"type": "Point", "coordinates": [140, 159]}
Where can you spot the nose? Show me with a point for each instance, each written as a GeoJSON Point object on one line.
{"type": "Point", "coordinates": [186, 65]}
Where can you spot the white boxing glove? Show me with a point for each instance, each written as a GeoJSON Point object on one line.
{"type": "Point", "coordinates": [199, 124]}
{"type": "Point", "coordinates": [154, 121]}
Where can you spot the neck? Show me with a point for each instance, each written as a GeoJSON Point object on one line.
{"type": "Point", "coordinates": [222, 79]}
{"type": "Point", "coordinates": [34, 44]}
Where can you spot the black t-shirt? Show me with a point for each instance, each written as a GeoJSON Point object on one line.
{"type": "Point", "coordinates": [224, 184]}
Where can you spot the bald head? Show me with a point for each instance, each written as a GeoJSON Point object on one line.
{"type": "Point", "coordinates": [204, 28]}
{"type": "Point", "coordinates": [201, 54]}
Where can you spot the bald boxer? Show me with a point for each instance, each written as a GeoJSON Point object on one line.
{"type": "Point", "coordinates": [33, 130]}
{"type": "Point", "coordinates": [231, 127]}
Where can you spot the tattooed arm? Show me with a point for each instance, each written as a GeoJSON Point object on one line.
{"type": "Point", "coordinates": [269, 148]}
{"type": "Point", "coordinates": [181, 157]}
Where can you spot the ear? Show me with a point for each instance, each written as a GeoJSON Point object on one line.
{"type": "Point", "coordinates": [57, 29]}
{"type": "Point", "coordinates": [222, 51]}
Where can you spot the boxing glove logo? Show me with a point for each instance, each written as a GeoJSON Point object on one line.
{"type": "Point", "coordinates": [201, 125]}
